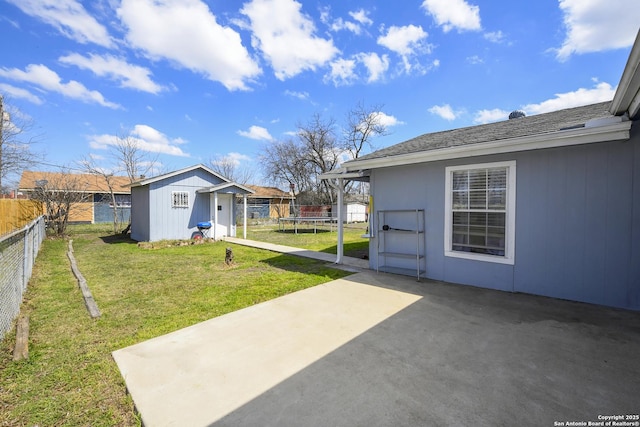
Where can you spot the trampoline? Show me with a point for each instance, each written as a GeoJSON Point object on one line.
{"type": "Point", "coordinates": [296, 220]}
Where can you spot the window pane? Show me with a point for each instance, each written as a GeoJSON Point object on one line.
{"type": "Point", "coordinates": [460, 218]}
{"type": "Point", "coordinates": [497, 179]}
{"type": "Point", "coordinates": [459, 200]}
{"type": "Point", "coordinates": [497, 199]}
{"type": "Point", "coordinates": [478, 219]}
{"type": "Point", "coordinates": [478, 199]}
{"type": "Point", "coordinates": [460, 181]}
{"type": "Point", "coordinates": [496, 219]}
{"type": "Point", "coordinates": [478, 179]}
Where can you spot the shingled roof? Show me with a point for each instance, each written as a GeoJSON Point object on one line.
{"type": "Point", "coordinates": [268, 192]}
{"type": "Point", "coordinates": [555, 121]}
{"type": "Point", "coordinates": [89, 183]}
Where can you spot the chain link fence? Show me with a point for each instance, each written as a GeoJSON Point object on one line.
{"type": "Point", "coordinates": [18, 251]}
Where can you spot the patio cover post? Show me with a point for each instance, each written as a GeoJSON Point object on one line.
{"type": "Point", "coordinates": [244, 216]}
{"type": "Point", "coordinates": [215, 214]}
{"type": "Point", "coordinates": [340, 249]}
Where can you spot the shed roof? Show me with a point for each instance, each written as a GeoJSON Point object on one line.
{"type": "Point", "coordinates": [89, 183]}
{"type": "Point", "coordinates": [226, 187]}
{"type": "Point", "coordinates": [148, 181]}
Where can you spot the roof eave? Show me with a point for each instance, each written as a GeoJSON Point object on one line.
{"type": "Point", "coordinates": [627, 97]}
{"type": "Point", "coordinates": [587, 135]}
{"type": "Point", "coordinates": [151, 180]}
{"type": "Point", "coordinates": [224, 186]}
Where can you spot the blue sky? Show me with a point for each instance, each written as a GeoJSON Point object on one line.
{"type": "Point", "coordinates": [197, 79]}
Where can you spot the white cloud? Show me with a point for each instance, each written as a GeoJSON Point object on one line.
{"type": "Point", "coordinates": [597, 25]}
{"type": "Point", "coordinates": [376, 65]}
{"type": "Point", "coordinates": [342, 72]}
{"type": "Point", "coordinates": [454, 14]}
{"type": "Point", "coordinates": [361, 16]}
{"type": "Point", "coordinates": [386, 120]}
{"type": "Point", "coordinates": [256, 132]}
{"type": "Point", "coordinates": [69, 17]}
{"type": "Point", "coordinates": [600, 93]}
{"type": "Point", "coordinates": [494, 36]}
{"type": "Point", "coordinates": [48, 79]}
{"type": "Point", "coordinates": [300, 95]}
{"type": "Point", "coordinates": [236, 159]}
{"type": "Point", "coordinates": [129, 75]}
{"type": "Point", "coordinates": [186, 33]}
{"type": "Point", "coordinates": [407, 41]}
{"type": "Point", "coordinates": [286, 37]}
{"type": "Point", "coordinates": [145, 138]}
{"type": "Point", "coordinates": [17, 92]}
{"type": "Point", "coordinates": [444, 111]}
{"type": "Point", "coordinates": [487, 116]}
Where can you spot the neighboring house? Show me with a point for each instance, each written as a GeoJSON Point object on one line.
{"type": "Point", "coordinates": [96, 206]}
{"type": "Point", "coordinates": [268, 202]}
{"type": "Point", "coordinates": [547, 204]}
{"type": "Point", "coordinates": [171, 206]}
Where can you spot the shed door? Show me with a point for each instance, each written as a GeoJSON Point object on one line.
{"type": "Point", "coordinates": [223, 213]}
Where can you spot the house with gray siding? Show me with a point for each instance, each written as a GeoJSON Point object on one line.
{"type": "Point", "coordinates": [547, 204]}
{"type": "Point", "coordinates": [171, 206]}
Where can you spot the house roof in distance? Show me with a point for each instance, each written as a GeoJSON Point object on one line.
{"type": "Point", "coordinates": [89, 183]}
{"type": "Point", "coordinates": [268, 192]}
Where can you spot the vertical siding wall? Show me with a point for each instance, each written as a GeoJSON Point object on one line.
{"type": "Point", "coordinates": [140, 214]}
{"type": "Point", "coordinates": [166, 222]}
{"type": "Point", "coordinates": [577, 222]}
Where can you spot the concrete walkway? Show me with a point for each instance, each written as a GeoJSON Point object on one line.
{"type": "Point", "coordinates": [386, 350]}
{"type": "Point", "coordinates": [354, 263]}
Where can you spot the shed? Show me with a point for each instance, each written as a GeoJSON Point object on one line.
{"type": "Point", "coordinates": [546, 204]}
{"type": "Point", "coordinates": [171, 206]}
{"type": "Point", "coordinates": [351, 212]}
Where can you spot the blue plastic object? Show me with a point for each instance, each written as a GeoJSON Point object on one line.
{"type": "Point", "coordinates": [204, 225]}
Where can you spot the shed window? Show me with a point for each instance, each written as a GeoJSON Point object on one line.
{"type": "Point", "coordinates": [180, 199]}
{"type": "Point", "coordinates": [480, 212]}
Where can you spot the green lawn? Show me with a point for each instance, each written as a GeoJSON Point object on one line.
{"type": "Point", "coordinates": [70, 378]}
{"type": "Point", "coordinates": [324, 240]}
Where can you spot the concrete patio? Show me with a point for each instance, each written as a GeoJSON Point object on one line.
{"type": "Point", "coordinates": [385, 350]}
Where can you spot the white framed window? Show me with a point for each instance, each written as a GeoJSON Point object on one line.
{"type": "Point", "coordinates": [179, 199]}
{"type": "Point", "coordinates": [480, 207]}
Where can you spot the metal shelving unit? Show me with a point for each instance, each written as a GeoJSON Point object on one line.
{"type": "Point", "coordinates": [396, 227]}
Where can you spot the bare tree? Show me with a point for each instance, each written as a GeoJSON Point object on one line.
{"type": "Point", "coordinates": [60, 193]}
{"type": "Point", "coordinates": [283, 162]}
{"type": "Point", "coordinates": [109, 178]}
{"type": "Point", "coordinates": [317, 150]}
{"type": "Point", "coordinates": [129, 158]}
{"type": "Point", "coordinates": [15, 148]}
{"type": "Point", "coordinates": [124, 157]}
{"type": "Point", "coordinates": [362, 125]}
{"type": "Point", "coordinates": [231, 169]}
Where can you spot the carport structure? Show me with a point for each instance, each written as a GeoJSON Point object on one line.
{"type": "Point", "coordinates": [378, 349]}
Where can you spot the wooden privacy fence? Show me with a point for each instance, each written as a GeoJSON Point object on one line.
{"type": "Point", "coordinates": [15, 214]}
